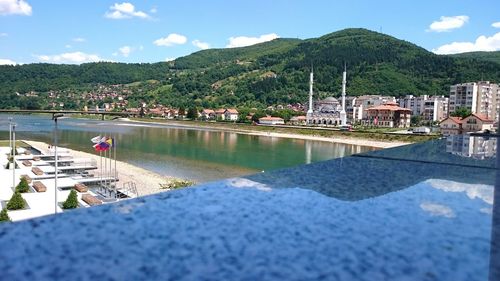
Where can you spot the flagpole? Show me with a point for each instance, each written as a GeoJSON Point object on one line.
{"type": "Point", "coordinates": [100, 166]}
{"type": "Point", "coordinates": [106, 170]}
{"type": "Point", "coordinates": [115, 174]}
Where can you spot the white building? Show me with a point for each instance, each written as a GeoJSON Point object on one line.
{"type": "Point", "coordinates": [415, 104]}
{"type": "Point", "coordinates": [365, 102]}
{"type": "Point", "coordinates": [433, 108]}
{"type": "Point", "coordinates": [481, 97]}
{"type": "Point", "coordinates": [268, 120]}
{"type": "Point", "coordinates": [231, 114]}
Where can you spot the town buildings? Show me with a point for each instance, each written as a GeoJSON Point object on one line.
{"type": "Point", "coordinates": [451, 126]}
{"type": "Point", "coordinates": [472, 123]}
{"type": "Point", "coordinates": [388, 115]}
{"type": "Point", "coordinates": [430, 108]}
{"type": "Point", "coordinates": [481, 97]}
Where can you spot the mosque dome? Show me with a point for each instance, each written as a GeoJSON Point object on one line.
{"type": "Point", "coordinates": [330, 100]}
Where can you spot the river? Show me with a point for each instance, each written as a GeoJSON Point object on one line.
{"type": "Point", "coordinates": [197, 154]}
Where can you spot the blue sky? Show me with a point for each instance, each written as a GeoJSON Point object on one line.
{"type": "Point", "coordinates": [79, 31]}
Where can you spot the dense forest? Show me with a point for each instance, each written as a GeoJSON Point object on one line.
{"type": "Point", "coordinates": [274, 72]}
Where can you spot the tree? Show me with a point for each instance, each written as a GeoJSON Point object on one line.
{"type": "Point", "coordinates": [192, 113]}
{"type": "Point", "coordinates": [461, 112]}
{"type": "Point", "coordinates": [416, 120]}
{"type": "Point", "coordinates": [16, 202]}
{"type": "Point", "coordinates": [4, 216]}
{"type": "Point", "coordinates": [72, 201]}
{"type": "Point", "coordinates": [182, 111]}
{"type": "Point", "coordinates": [23, 186]}
{"type": "Point", "coordinates": [258, 115]}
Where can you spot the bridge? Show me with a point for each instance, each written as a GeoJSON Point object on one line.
{"type": "Point", "coordinates": [53, 112]}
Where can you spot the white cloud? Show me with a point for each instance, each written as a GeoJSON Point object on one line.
{"type": "Point", "coordinates": [473, 191]}
{"type": "Point", "coordinates": [169, 59]}
{"type": "Point", "coordinates": [482, 43]}
{"type": "Point", "coordinates": [448, 23]}
{"type": "Point", "coordinates": [201, 45]}
{"type": "Point", "coordinates": [124, 10]}
{"type": "Point", "coordinates": [3, 34]}
{"type": "Point", "coordinates": [141, 48]}
{"type": "Point", "coordinates": [171, 39]}
{"type": "Point", "coordinates": [153, 10]}
{"type": "Point", "coordinates": [79, 39]}
{"type": "Point", "coordinates": [496, 24]}
{"type": "Point", "coordinates": [68, 46]}
{"type": "Point", "coordinates": [125, 51]}
{"type": "Point", "coordinates": [242, 41]}
{"type": "Point", "coordinates": [437, 209]}
{"type": "Point", "coordinates": [74, 57]}
{"type": "Point", "coordinates": [7, 62]}
{"type": "Point", "coordinates": [14, 7]}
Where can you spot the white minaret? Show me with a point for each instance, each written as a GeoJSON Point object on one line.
{"type": "Point", "coordinates": [310, 109]}
{"type": "Point", "coordinates": [343, 117]}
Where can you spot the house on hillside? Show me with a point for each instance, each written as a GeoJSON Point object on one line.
{"type": "Point", "coordinates": [208, 114]}
{"type": "Point", "coordinates": [231, 114]}
{"type": "Point", "coordinates": [451, 126]}
{"type": "Point", "coordinates": [219, 113]}
{"type": "Point", "coordinates": [172, 113]}
{"type": "Point", "coordinates": [298, 120]}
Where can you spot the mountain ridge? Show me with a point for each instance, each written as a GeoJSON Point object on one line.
{"type": "Point", "coordinates": [271, 72]}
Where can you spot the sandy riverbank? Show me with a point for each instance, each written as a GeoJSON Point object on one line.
{"type": "Point", "coordinates": [147, 182]}
{"type": "Point", "coordinates": [344, 140]}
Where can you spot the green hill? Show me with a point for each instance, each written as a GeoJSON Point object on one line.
{"type": "Point", "coordinates": [481, 56]}
{"type": "Point", "coordinates": [269, 73]}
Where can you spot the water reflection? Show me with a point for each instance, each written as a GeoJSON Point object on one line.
{"type": "Point", "coordinates": [202, 155]}
{"type": "Point", "coordinates": [472, 146]}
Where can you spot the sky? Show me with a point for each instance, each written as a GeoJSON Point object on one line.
{"type": "Point", "coordinates": [80, 31]}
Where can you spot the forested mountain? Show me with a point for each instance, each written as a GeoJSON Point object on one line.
{"type": "Point", "coordinates": [484, 56]}
{"type": "Point", "coordinates": [267, 73]}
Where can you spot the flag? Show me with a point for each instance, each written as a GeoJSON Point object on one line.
{"type": "Point", "coordinates": [111, 142]}
{"type": "Point", "coordinates": [103, 145]}
{"type": "Point", "coordinates": [96, 139]}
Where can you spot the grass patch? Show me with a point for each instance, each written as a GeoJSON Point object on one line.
{"type": "Point", "coordinates": [176, 184]}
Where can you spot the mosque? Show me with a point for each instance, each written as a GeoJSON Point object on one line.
{"type": "Point", "coordinates": [330, 111]}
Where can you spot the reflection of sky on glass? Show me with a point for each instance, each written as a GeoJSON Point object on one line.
{"type": "Point", "coordinates": [437, 209]}
{"type": "Point", "coordinates": [480, 191]}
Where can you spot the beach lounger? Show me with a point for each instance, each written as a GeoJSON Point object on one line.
{"type": "Point", "coordinates": [36, 158]}
{"type": "Point", "coordinates": [39, 186]}
{"type": "Point", "coordinates": [37, 171]}
{"type": "Point", "coordinates": [27, 163]}
{"type": "Point", "coordinates": [91, 200]}
{"type": "Point", "coordinates": [80, 187]}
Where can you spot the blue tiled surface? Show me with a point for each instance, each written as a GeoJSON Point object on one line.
{"type": "Point", "coordinates": [374, 217]}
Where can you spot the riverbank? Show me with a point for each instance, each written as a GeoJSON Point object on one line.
{"type": "Point", "coordinates": [353, 138]}
{"type": "Point", "coordinates": [147, 182]}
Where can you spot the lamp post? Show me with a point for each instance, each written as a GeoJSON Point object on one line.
{"type": "Point", "coordinates": [54, 117]}
{"type": "Point", "coordinates": [10, 136]}
{"type": "Point", "coordinates": [14, 157]}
